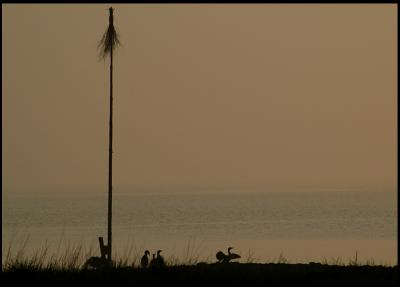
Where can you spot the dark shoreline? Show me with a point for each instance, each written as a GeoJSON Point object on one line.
{"type": "Point", "coordinates": [231, 273]}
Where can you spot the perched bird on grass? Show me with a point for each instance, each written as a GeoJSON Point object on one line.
{"type": "Point", "coordinates": [153, 261]}
{"type": "Point", "coordinates": [160, 260]}
{"type": "Point", "coordinates": [95, 263]}
{"type": "Point", "coordinates": [222, 257]}
{"type": "Point", "coordinates": [232, 255]}
{"type": "Point", "coordinates": [145, 260]}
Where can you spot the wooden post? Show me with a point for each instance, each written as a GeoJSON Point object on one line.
{"type": "Point", "coordinates": [109, 243]}
{"type": "Point", "coordinates": [108, 43]}
{"type": "Point", "coordinates": [103, 248]}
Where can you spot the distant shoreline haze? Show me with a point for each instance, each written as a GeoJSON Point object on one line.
{"type": "Point", "coordinates": [234, 190]}
{"type": "Point", "coordinates": [335, 224]}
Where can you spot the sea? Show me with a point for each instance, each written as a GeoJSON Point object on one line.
{"type": "Point", "coordinates": [264, 226]}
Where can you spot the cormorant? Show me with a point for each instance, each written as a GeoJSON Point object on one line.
{"type": "Point", "coordinates": [226, 258]}
{"type": "Point", "coordinates": [153, 261]}
{"type": "Point", "coordinates": [95, 262]}
{"type": "Point", "coordinates": [160, 260]}
{"type": "Point", "coordinates": [145, 260]}
{"type": "Point", "coordinates": [232, 255]}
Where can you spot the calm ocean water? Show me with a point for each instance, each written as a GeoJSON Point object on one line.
{"type": "Point", "coordinates": [303, 226]}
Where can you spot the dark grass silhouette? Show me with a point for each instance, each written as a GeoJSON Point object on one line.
{"type": "Point", "coordinates": [68, 266]}
{"type": "Point", "coordinates": [272, 273]}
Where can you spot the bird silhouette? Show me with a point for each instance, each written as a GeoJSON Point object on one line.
{"type": "Point", "coordinates": [145, 260]}
{"type": "Point", "coordinates": [232, 255]}
{"type": "Point", "coordinates": [95, 263]}
{"type": "Point", "coordinates": [160, 260]}
{"type": "Point", "coordinates": [153, 261]}
{"type": "Point", "coordinates": [222, 257]}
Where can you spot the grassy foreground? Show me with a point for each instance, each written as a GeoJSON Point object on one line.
{"type": "Point", "coordinates": [65, 266]}
{"type": "Point", "coordinates": [203, 273]}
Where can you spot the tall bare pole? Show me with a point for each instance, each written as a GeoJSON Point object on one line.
{"type": "Point", "coordinates": [109, 240]}
{"type": "Point", "coordinates": [107, 44]}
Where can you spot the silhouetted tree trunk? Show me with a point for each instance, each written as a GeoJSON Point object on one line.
{"type": "Point", "coordinates": [110, 158]}
{"type": "Point", "coordinates": [107, 44]}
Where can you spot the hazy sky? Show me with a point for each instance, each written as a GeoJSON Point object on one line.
{"type": "Point", "coordinates": [205, 96]}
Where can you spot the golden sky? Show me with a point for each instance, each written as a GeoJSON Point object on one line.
{"type": "Point", "coordinates": [205, 96]}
